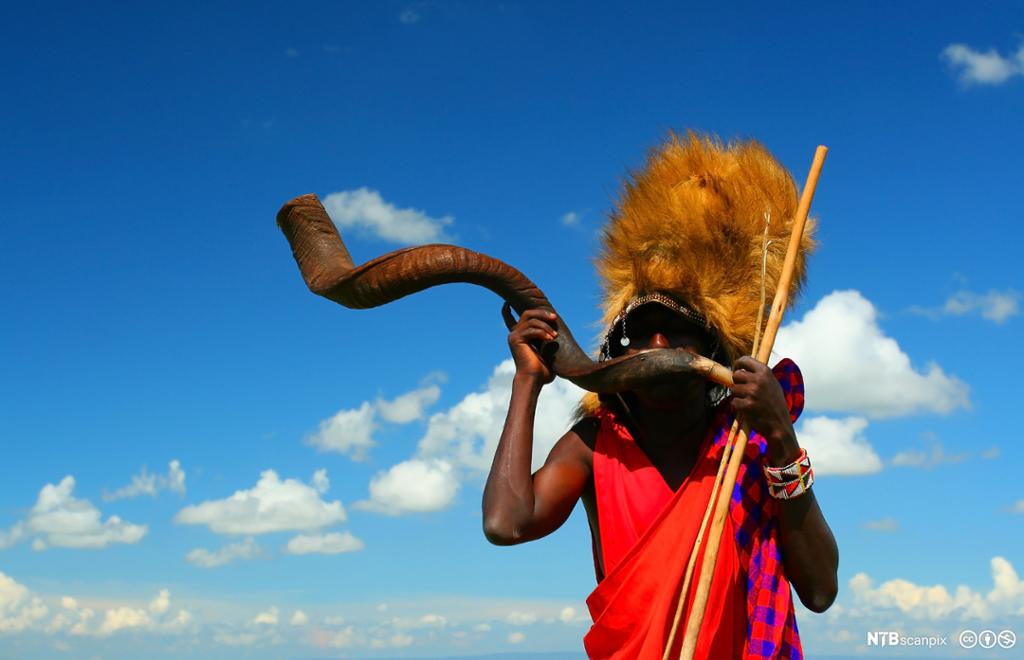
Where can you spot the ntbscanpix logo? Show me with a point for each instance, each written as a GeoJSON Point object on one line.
{"type": "Point", "coordinates": [893, 638]}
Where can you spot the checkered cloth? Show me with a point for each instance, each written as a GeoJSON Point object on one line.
{"type": "Point", "coordinates": [771, 624]}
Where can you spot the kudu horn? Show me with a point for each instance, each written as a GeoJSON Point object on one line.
{"type": "Point", "coordinates": [328, 270]}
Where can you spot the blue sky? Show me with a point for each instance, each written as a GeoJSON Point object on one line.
{"type": "Point", "coordinates": [153, 313]}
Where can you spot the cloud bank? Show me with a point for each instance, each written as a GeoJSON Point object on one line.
{"type": "Point", "coordinates": [350, 431]}
{"type": "Point", "coordinates": [850, 365]}
{"type": "Point", "coordinates": [272, 505]}
{"type": "Point", "coordinates": [59, 519]}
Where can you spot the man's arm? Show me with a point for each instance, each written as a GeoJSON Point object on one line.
{"type": "Point", "coordinates": [809, 552]}
{"type": "Point", "coordinates": [518, 506]}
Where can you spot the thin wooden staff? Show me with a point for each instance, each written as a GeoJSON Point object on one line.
{"type": "Point", "coordinates": [726, 451]}
{"type": "Point", "coordinates": [720, 505]}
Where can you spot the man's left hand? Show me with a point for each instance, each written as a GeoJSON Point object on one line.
{"type": "Point", "coordinates": [758, 399]}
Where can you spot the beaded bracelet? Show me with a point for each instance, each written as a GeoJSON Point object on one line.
{"type": "Point", "coordinates": [787, 490]}
{"type": "Point", "coordinates": [794, 469]}
{"type": "Point", "coordinates": [792, 480]}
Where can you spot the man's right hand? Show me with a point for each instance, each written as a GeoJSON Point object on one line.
{"type": "Point", "coordinates": [535, 326]}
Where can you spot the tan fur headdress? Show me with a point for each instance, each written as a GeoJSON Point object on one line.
{"type": "Point", "coordinates": [691, 224]}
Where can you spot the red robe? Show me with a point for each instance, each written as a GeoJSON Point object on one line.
{"type": "Point", "coordinates": [647, 532]}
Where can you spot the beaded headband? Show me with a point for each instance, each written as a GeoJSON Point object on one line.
{"type": "Point", "coordinates": [690, 314]}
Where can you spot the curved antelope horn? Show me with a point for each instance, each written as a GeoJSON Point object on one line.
{"type": "Point", "coordinates": [329, 271]}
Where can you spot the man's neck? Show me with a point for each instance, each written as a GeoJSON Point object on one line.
{"type": "Point", "coordinates": [667, 430]}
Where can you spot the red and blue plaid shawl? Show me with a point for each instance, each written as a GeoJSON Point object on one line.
{"type": "Point", "coordinates": [771, 623]}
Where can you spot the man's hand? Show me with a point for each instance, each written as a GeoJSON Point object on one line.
{"type": "Point", "coordinates": [758, 399]}
{"type": "Point", "coordinates": [534, 327]}
{"type": "Point", "coordinates": [518, 506]}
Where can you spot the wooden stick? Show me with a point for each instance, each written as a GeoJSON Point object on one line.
{"type": "Point", "coordinates": [792, 250]}
{"type": "Point", "coordinates": [691, 564]}
{"type": "Point", "coordinates": [726, 451]}
{"type": "Point", "coordinates": [720, 505]}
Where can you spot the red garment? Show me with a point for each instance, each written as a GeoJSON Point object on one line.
{"type": "Point", "coordinates": [646, 533]}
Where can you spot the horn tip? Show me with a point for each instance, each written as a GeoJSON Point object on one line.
{"type": "Point", "coordinates": [309, 200]}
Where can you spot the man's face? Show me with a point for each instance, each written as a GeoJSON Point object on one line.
{"type": "Point", "coordinates": [655, 326]}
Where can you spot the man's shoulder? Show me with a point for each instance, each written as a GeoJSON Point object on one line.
{"type": "Point", "coordinates": [587, 429]}
{"type": "Point", "coordinates": [577, 445]}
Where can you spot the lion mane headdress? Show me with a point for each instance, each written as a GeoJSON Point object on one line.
{"type": "Point", "coordinates": [691, 225]}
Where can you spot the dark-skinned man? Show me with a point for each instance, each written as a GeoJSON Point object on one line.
{"type": "Point", "coordinates": [643, 462]}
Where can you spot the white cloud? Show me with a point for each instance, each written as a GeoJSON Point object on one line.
{"type": "Point", "coordinates": [400, 640]}
{"type": "Point", "coordinates": [123, 618]}
{"type": "Point", "coordinates": [268, 618]}
{"type": "Point", "coordinates": [402, 623]}
{"type": "Point", "coordinates": [348, 432]}
{"type": "Point", "coordinates": [515, 637]}
{"type": "Point", "coordinates": [467, 433]}
{"type": "Point", "coordinates": [517, 618]}
{"type": "Point", "coordinates": [451, 612]}
{"type": "Point", "coordinates": [156, 617]}
{"type": "Point", "coordinates": [850, 365]}
{"type": "Point", "coordinates": [456, 618]}
{"type": "Point", "coordinates": [991, 453]}
{"type": "Point", "coordinates": [383, 640]}
{"type": "Point", "coordinates": [81, 627]}
{"type": "Point", "coordinates": [145, 483]}
{"type": "Point", "coordinates": [996, 306]}
{"type": "Point", "coordinates": [935, 456]}
{"type": "Point", "coordinates": [937, 602]}
{"type": "Point", "coordinates": [74, 617]}
{"type": "Point", "coordinates": [343, 638]}
{"type": "Point", "coordinates": [412, 486]}
{"type": "Point", "coordinates": [236, 639]}
{"type": "Point", "coordinates": [271, 506]}
{"type": "Point", "coordinates": [975, 67]}
{"type": "Point", "coordinates": [433, 621]}
{"type": "Point", "coordinates": [59, 519]}
{"type": "Point", "coordinates": [175, 479]}
{"type": "Point", "coordinates": [180, 620]}
{"type": "Point", "coordinates": [320, 481]}
{"type": "Point", "coordinates": [571, 219]}
{"type": "Point", "coordinates": [19, 609]}
{"type": "Point", "coordinates": [12, 535]}
{"type": "Point", "coordinates": [838, 446]}
{"type": "Point", "coordinates": [1018, 507]}
{"type": "Point", "coordinates": [161, 603]}
{"type": "Point", "coordinates": [410, 406]}
{"type": "Point", "coordinates": [881, 525]}
{"type": "Point", "coordinates": [59, 622]}
{"type": "Point", "coordinates": [409, 16]}
{"type": "Point", "coordinates": [366, 211]}
{"type": "Point", "coordinates": [324, 544]}
{"type": "Point", "coordinates": [463, 439]}
{"type": "Point", "coordinates": [247, 549]}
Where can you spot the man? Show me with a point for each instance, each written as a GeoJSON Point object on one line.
{"type": "Point", "coordinates": [677, 271]}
